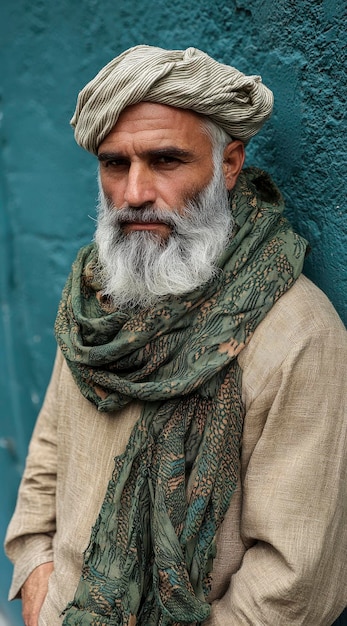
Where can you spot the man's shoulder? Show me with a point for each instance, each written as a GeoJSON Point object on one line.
{"type": "Point", "coordinates": [302, 315]}
{"type": "Point", "coordinates": [303, 308]}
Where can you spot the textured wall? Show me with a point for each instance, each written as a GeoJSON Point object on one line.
{"type": "Point", "coordinates": [49, 50]}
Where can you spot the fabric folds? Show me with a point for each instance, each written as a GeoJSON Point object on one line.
{"type": "Point", "coordinates": [187, 79]}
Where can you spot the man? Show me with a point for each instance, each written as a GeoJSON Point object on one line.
{"type": "Point", "coordinates": [188, 464]}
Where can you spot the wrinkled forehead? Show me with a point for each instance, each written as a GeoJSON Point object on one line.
{"type": "Point", "coordinates": [159, 124]}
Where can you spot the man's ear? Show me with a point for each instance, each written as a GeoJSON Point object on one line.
{"type": "Point", "coordinates": [233, 159]}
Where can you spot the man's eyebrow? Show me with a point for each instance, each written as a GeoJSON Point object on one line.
{"type": "Point", "coordinates": [172, 151]}
{"type": "Point", "coordinates": [109, 156]}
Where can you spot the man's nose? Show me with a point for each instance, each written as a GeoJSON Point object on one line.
{"type": "Point", "coordinates": [140, 189]}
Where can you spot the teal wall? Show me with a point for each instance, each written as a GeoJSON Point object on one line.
{"type": "Point", "coordinates": [49, 50]}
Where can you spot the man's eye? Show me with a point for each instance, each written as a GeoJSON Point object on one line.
{"type": "Point", "coordinates": [115, 163]}
{"type": "Point", "coordinates": [168, 160]}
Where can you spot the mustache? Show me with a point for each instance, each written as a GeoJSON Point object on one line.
{"type": "Point", "coordinates": [145, 214]}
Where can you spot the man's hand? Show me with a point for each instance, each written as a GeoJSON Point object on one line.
{"type": "Point", "coordinates": [34, 592]}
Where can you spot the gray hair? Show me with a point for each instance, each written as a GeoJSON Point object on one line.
{"type": "Point", "coordinates": [218, 136]}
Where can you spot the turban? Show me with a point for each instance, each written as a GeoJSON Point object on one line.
{"type": "Point", "coordinates": [187, 79]}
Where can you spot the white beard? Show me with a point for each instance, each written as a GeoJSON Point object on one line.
{"type": "Point", "coordinates": [139, 268]}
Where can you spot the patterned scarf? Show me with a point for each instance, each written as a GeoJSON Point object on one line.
{"type": "Point", "coordinates": [151, 551]}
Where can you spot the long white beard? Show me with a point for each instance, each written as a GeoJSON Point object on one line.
{"type": "Point", "coordinates": [139, 268]}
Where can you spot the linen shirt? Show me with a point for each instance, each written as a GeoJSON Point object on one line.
{"type": "Point", "coordinates": [282, 547]}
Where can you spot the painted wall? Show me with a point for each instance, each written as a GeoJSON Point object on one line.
{"type": "Point", "coordinates": [49, 50]}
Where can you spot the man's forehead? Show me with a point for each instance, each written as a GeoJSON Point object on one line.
{"type": "Point", "coordinates": [154, 112]}
{"type": "Point", "coordinates": [149, 121]}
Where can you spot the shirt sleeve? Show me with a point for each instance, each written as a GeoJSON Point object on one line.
{"type": "Point", "coordinates": [29, 538]}
{"type": "Point", "coordinates": [294, 483]}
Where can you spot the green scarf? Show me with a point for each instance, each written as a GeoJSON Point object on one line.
{"type": "Point", "coordinates": [151, 551]}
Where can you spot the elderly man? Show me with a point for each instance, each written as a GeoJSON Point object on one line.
{"type": "Point", "coordinates": [188, 464]}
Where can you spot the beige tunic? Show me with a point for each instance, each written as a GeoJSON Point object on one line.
{"type": "Point", "coordinates": [282, 548]}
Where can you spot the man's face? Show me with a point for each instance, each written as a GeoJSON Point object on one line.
{"type": "Point", "coordinates": [156, 156]}
{"type": "Point", "coordinates": [164, 216]}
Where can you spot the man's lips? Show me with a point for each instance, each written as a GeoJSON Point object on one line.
{"type": "Point", "coordinates": [155, 226]}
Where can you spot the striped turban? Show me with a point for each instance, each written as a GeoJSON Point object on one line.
{"type": "Point", "coordinates": [187, 79]}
